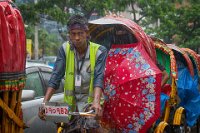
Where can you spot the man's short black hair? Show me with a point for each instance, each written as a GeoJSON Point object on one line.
{"type": "Point", "coordinates": [77, 19]}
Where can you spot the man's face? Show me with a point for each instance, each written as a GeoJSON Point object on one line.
{"type": "Point", "coordinates": [78, 37]}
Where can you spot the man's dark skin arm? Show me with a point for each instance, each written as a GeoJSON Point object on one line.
{"type": "Point", "coordinates": [96, 102]}
{"type": "Point", "coordinates": [57, 75]}
{"type": "Point", "coordinates": [49, 93]}
{"type": "Point", "coordinates": [165, 78]}
{"type": "Point", "coordinates": [98, 81]}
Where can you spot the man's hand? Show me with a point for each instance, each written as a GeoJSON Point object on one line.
{"type": "Point", "coordinates": [98, 109]}
{"type": "Point", "coordinates": [49, 93]}
{"type": "Point", "coordinates": [41, 112]}
{"type": "Point", "coordinates": [96, 103]}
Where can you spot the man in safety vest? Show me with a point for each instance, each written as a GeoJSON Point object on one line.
{"type": "Point", "coordinates": [82, 63]}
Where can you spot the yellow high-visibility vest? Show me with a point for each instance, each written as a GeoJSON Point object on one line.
{"type": "Point", "coordinates": [69, 80]}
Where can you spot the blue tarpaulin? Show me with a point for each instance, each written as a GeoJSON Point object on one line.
{"type": "Point", "coordinates": [189, 94]}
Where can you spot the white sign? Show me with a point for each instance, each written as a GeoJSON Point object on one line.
{"type": "Point", "coordinates": [56, 110]}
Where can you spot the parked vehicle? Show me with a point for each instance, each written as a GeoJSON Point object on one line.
{"type": "Point", "coordinates": [49, 60]}
{"type": "Point", "coordinates": [37, 77]}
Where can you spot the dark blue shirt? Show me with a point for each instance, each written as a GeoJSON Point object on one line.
{"type": "Point", "coordinates": [60, 66]}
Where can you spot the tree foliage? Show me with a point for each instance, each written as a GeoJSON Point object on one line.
{"type": "Point", "coordinates": [175, 21]}
{"type": "Point", "coordinates": [60, 10]}
{"type": "Point", "coordinates": [49, 43]}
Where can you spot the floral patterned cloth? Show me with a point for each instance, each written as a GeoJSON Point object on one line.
{"type": "Point", "coordinates": [132, 89]}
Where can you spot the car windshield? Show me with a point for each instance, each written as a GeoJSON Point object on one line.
{"type": "Point", "coordinates": [50, 58]}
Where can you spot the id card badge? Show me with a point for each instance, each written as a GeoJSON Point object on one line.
{"type": "Point", "coordinates": [78, 81]}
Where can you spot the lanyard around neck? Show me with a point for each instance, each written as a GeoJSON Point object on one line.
{"type": "Point", "coordinates": [77, 61]}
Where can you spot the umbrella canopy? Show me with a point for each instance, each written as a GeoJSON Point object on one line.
{"type": "Point", "coordinates": [178, 52]}
{"type": "Point", "coordinates": [160, 45]}
{"type": "Point", "coordinates": [198, 55]}
{"type": "Point", "coordinates": [132, 89]}
{"type": "Point", "coordinates": [117, 30]}
{"type": "Point", "coordinates": [194, 56]}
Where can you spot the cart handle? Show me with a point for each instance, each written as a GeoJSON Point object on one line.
{"type": "Point", "coordinates": [89, 113]}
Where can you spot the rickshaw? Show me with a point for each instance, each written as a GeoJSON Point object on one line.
{"type": "Point", "coordinates": [196, 64]}
{"type": "Point", "coordinates": [12, 67]}
{"type": "Point", "coordinates": [194, 57]}
{"type": "Point", "coordinates": [117, 34]}
{"type": "Point", "coordinates": [132, 79]}
{"type": "Point", "coordinates": [165, 56]}
{"type": "Point", "coordinates": [187, 87]}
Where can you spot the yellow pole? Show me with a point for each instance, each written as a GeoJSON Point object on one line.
{"type": "Point", "coordinates": [18, 107]}
{"type": "Point", "coordinates": [5, 116]}
{"type": "Point", "coordinates": [12, 107]}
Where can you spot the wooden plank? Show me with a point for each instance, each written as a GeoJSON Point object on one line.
{"type": "Point", "coordinates": [18, 107]}
{"type": "Point", "coordinates": [12, 107]}
{"type": "Point", "coordinates": [11, 114]}
{"type": "Point", "coordinates": [5, 116]}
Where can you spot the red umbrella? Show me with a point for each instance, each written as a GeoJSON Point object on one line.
{"type": "Point", "coordinates": [132, 89]}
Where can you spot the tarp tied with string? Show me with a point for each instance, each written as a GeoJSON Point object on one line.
{"type": "Point", "coordinates": [12, 68]}
{"type": "Point", "coordinates": [187, 84]}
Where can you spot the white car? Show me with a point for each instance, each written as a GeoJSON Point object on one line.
{"type": "Point", "coordinates": [37, 77]}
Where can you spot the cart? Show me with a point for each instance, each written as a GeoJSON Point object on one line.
{"type": "Point", "coordinates": [130, 65]}
{"type": "Point", "coordinates": [12, 67]}
{"type": "Point", "coordinates": [166, 57]}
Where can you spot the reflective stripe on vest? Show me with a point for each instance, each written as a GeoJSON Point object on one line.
{"type": "Point", "coordinates": [69, 80]}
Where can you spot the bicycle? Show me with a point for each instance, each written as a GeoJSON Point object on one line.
{"type": "Point", "coordinates": [59, 113]}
